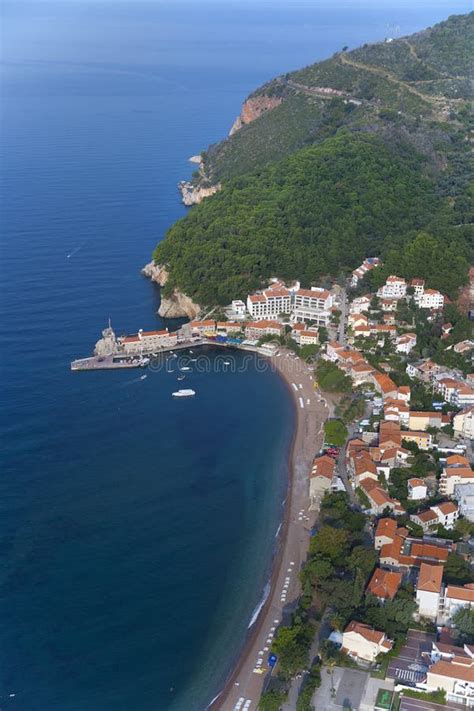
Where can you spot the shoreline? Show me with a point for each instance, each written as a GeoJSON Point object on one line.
{"type": "Point", "coordinates": [293, 538]}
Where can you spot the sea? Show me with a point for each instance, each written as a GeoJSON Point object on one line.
{"type": "Point", "coordinates": [136, 531]}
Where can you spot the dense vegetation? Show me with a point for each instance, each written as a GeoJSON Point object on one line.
{"type": "Point", "coordinates": [313, 186]}
{"type": "Point", "coordinates": [318, 211]}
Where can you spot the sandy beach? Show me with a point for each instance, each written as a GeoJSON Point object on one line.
{"type": "Point", "coordinates": [243, 687]}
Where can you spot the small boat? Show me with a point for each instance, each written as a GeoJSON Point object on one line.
{"type": "Point", "coordinates": [184, 393]}
{"type": "Point", "coordinates": [192, 360]}
{"type": "Point", "coordinates": [142, 377]}
{"type": "Point", "coordinates": [227, 362]}
{"type": "Point", "coordinates": [185, 368]}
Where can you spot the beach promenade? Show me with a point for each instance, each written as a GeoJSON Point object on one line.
{"type": "Point", "coordinates": [244, 685]}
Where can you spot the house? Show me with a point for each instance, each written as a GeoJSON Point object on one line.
{"type": "Point", "coordinates": [333, 349]}
{"type": "Point", "coordinates": [464, 495]}
{"type": "Point", "coordinates": [428, 590]}
{"type": "Point", "coordinates": [455, 598]}
{"type": "Point", "coordinates": [464, 396]}
{"type": "Point", "coordinates": [362, 642]}
{"type": "Point", "coordinates": [360, 304]}
{"type": "Point", "coordinates": [422, 439]}
{"type": "Point", "coordinates": [361, 372]}
{"type": "Point", "coordinates": [269, 303]}
{"type": "Point", "coordinates": [404, 393]}
{"type": "Point", "coordinates": [445, 514]}
{"type": "Point", "coordinates": [418, 286]}
{"type": "Point", "coordinates": [320, 480]}
{"type": "Point", "coordinates": [309, 337]}
{"type": "Point", "coordinates": [394, 288]}
{"type": "Point", "coordinates": [463, 423]}
{"type": "Point", "coordinates": [463, 346]}
{"type": "Point", "coordinates": [417, 489]}
{"type": "Point", "coordinates": [426, 519]}
{"type": "Point", "coordinates": [405, 343]}
{"type": "Point", "coordinates": [379, 500]}
{"type": "Point", "coordinates": [384, 385]}
{"type": "Point", "coordinates": [423, 420]}
{"type": "Point", "coordinates": [446, 329]}
{"type": "Point", "coordinates": [455, 677]}
{"type": "Point", "coordinates": [238, 307]}
{"type": "Point", "coordinates": [385, 532]}
{"type": "Point", "coordinates": [406, 552]}
{"type": "Point", "coordinates": [361, 271]}
{"type": "Point", "coordinates": [259, 329]}
{"type": "Point", "coordinates": [363, 467]}
{"type": "Point", "coordinates": [384, 584]}
{"type": "Point", "coordinates": [390, 435]}
{"type": "Point", "coordinates": [456, 471]}
{"type": "Point", "coordinates": [397, 411]}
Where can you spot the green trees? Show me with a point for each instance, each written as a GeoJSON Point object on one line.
{"type": "Point", "coordinates": [464, 621]}
{"type": "Point", "coordinates": [335, 432]}
{"type": "Point", "coordinates": [272, 700]}
{"type": "Point", "coordinates": [292, 644]}
{"type": "Point", "coordinates": [332, 379]}
{"type": "Point", "coordinates": [316, 212]}
{"type": "Point", "coordinates": [457, 570]}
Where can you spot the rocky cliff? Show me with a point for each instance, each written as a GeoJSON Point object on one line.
{"type": "Point", "coordinates": [193, 195]}
{"type": "Point", "coordinates": [252, 109]}
{"type": "Point", "coordinates": [177, 305]}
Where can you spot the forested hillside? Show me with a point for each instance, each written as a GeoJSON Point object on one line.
{"type": "Point", "coordinates": [380, 166]}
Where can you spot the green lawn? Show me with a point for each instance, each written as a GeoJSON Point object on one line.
{"type": "Point", "coordinates": [335, 433]}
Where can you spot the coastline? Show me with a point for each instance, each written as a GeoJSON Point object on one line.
{"type": "Point", "coordinates": [293, 540]}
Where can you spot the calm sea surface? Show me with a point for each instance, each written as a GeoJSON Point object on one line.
{"type": "Point", "coordinates": [136, 532]}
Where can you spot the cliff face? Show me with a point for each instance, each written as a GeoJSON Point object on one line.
{"type": "Point", "coordinates": [192, 195]}
{"type": "Point", "coordinates": [178, 305]}
{"type": "Point", "coordinates": [252, 109]}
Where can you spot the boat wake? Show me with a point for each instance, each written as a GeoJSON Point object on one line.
{"type": "Point", "coordinates": [278, 530]}
{"type": "Point", "coordinates": [75, 251]}
{"type": "Point", "coordinates": [258, 609]}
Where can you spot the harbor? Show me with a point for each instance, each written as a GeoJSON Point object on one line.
{"type": "Point", "coordinates": [140, 349]}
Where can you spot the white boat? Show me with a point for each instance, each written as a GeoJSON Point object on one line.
{"type": "Point", "coordinates": [184, 393]}
{"type": "Point", "coordinates": [227, 362]}
{"type": "Point", "coordinates": [185, 368]}
{"type": "Point", "coordinates": [143, 377]}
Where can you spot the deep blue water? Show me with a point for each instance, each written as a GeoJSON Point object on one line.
{"type": "Point", "coordinates": [136, 532]}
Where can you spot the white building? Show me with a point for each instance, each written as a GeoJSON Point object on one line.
{"type": "Point", "coordinates": [455, 677]}
{"type": "Point", "coordinates": [447, 514]}
{"type": "Point", "coordinates": [238, 308]}
{"type": "Point", "coordinates": [361, 641]}
{"type": "Point", "coordinates": [405, 343]}
{"type": "Point", "coordinates": [428, 590]}
{"type": "Point", "coordinates": [455, 598]}
{"type": "Point", "coordinates": [394, 288]}
{"type": "Point", "coordinates": [430, 299]}
{"type": "Point", "coordinates": [417, 489]}
{"type": "Point", "coordinates": [313, 305]}
{"type": "Point", "coordinates": [464, 495]}
{"type": "Point", "coordinates": [269, 304]}
{"type": "Point", "coordinates": [456, 471]}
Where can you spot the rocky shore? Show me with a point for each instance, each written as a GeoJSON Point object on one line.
{"type": "Point", "coordinates": [252, 109]}
{"type": "Point", "coordinates": [178, 305]}
{"type": "Point", "coordinates": [194, 194]}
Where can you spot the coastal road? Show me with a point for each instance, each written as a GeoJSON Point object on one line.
{"type": "Point", "coordinates": [245, 684]}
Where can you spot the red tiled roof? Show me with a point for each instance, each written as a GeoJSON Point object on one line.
{"type": "Point", "coordinates": [430, 578]}
{"type": "Point", "coordinates": [384, 583]}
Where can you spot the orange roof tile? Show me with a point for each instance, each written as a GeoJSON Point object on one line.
{"type": "Point", "coordinates": [384, 583]}
{"type": "Point", "coordinates": [430, 578]}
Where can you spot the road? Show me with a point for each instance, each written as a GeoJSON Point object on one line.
{"type": "Point", "coordinates": [342, 328]}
